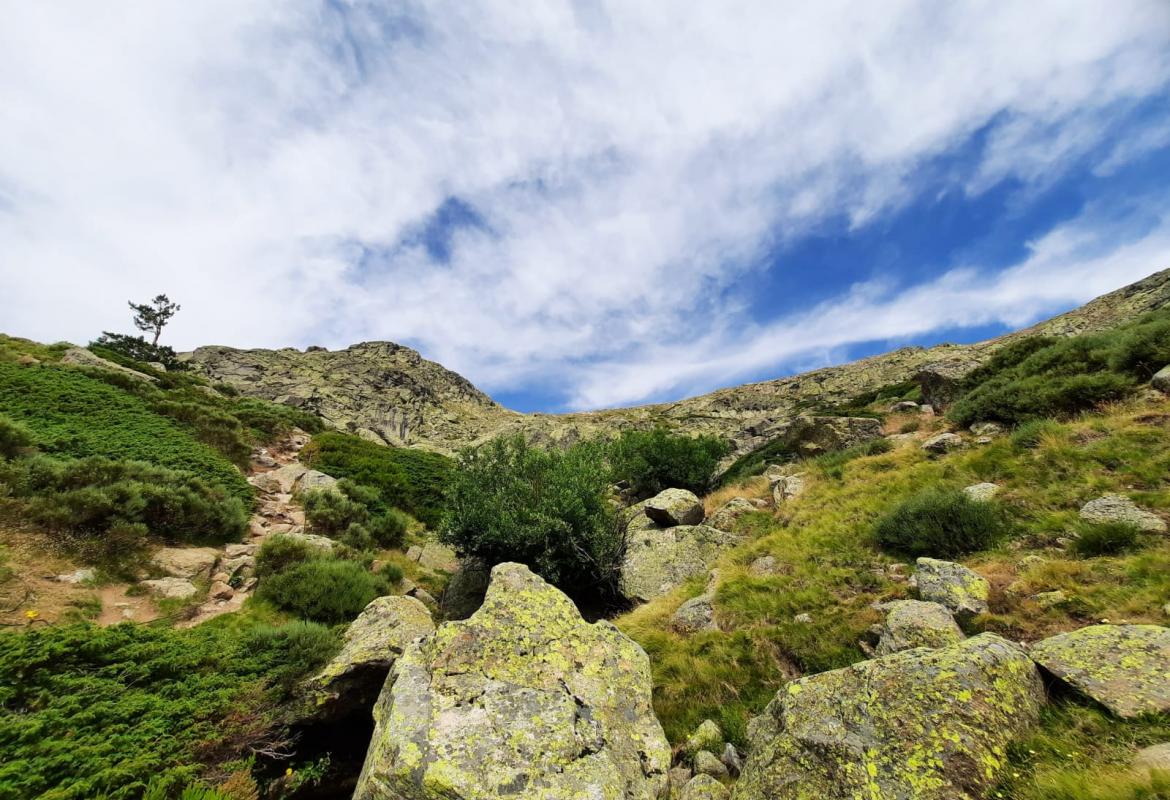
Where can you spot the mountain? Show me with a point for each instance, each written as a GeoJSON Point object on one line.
{"type": "Point", "coordinates": [389, 393]}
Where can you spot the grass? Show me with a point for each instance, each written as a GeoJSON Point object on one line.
{"type": "Point", "coordinates": [831, 568]}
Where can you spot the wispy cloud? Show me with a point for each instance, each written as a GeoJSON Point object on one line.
{"type": "Point", "coordinates": [272, 164]}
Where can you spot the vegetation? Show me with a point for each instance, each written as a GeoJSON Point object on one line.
{"type": "Point", "coordinates": [355, 515]}
{"type": "Point", "coordinates": [510, 501]}
{"type": "Point", "coordinates": [324, 589]}
{"type": "Point", "coordinates": [941, 523]}
{"type": "Point", "coordinates": [657, 459]}
{"type": "Point", "coordinates": [152, 317]}
{"type": "Point", "coordinates": [88, 712]}
{"type": "Point", "coordinates": [15, 438]}
{"type": "Point", "coordinates": [1106, 539]}
{"type": "Point", "coordinates": [1043, 377]}
{"type": "Point", "coordinates": [279, 553]}
{"type": "Point", "coordinates": [411, 480]}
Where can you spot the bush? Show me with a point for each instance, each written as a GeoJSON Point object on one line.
{"type": "Point", "coordinates": [910, 426]}
{"type": "Point", "coordinates": [391, 572]}
{"type": "Point", "coordinates": [510, 501]}
{"type": "Point", "coordinates": [1106, 539]}
{"type": "Point", "coordinates": [279, 553]}
{"type": "Point", "coordinates": [135, 348]}
{"type": "Point", "coordinates": [412, 480]}
{"type": "Point", "coordinates": [330, 512]}
{"type": "Point", "coordinates": [354, 514]}
{"type": "Point", "coordinates": [941, 523]}
{"type": "Point", "coordinates": [14, 438]}
{"type": "Point", "coordinates": [653, 460]}
{"type": "Point", "coordinates": [327, 590]}
{"type": "Point", "coordinates": [289, 652]}
{"type": "Point", "coordinates": [1029, 435]}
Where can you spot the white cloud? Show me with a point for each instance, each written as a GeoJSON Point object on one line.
{"type": "Point", "coordinates": [630, 161]}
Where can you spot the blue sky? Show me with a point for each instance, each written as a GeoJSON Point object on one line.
{"type": "Point", "coordinates": [581, 204]}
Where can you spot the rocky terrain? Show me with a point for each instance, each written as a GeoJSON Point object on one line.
{"type": "Point", "coordinates": [389, 393]}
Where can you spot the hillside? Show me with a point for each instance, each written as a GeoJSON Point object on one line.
{"type": "Point", "coordinates": [389, 393]}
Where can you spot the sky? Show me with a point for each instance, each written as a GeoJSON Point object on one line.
{"type": "Point", "coordinates": [583, 204]}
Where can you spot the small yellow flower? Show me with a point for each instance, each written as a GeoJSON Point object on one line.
{"type": "Point", "coordinates": [31, 614]}
{"type": "Point", "coordinates": [288, 771]}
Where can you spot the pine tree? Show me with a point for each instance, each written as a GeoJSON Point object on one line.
{"type": "Point", "coordinates": [153, 316]}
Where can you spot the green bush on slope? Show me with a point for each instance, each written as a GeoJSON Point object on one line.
{"type": "Point", "coordinates": [941, 523]}
{"type": "Point", "coordinates": [657, 459]}
{"type": "Point", "coordinates": [328, 590]}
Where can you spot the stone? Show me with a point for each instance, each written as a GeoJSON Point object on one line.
{"type": "Point", "coordinates": [371, 644]}
{"type": "Point", "coordinates": [787, 488]}
{"type": "Point", "coordinates": [928, 724]}
{"type": "Point", "coordinates": [727, 514]}
{"type": "Point", "coordinates": [237, 550]}
{"type": "Point", "coordinates": [987, 429]}
{"type": "Point", "coordinates": [694, 615]}
{"type": "Point", "coordinates": [764, 565]}
{"type": "Point", "coordinates": [941, 382]}
{"type": "Point", "coordinates": [926, 409]}
{"type": "Point", "coordinates": [524, 699]}
{"type": "Point", "coordinates": [679, 776]}
{"type": "Point", "coordinates": [186, 562]}
{"type": "Point", "coordinates": [437, 556]}
{"type": "Point", "coordinates": [657, 561]}
{"type": "Point", "coordinates": [981, 492]}
{"type": "Point", "coordinates": [709, 764]}
{"type": "Point", "coordinates": [707, 737]}
{"type": "Point", "coordinates": [414, 552]}
{"type": "Point", "coordinates": [1119, 508]}
{"type": "Point", "coordinates": [264, 460]}
{"type": "Point", "coordinates": [83, 575]}
{"type": "Point", "coordinates": [1154, 757]}
{"type": "Point", "coordinates": [171, 588]}
{"type": "Point", "coordinates": [704, 787]}
{"type": "Point", "coordinates": [942, 443]}
{"type": "Point", "coordinates": [903, 407]}
{"type": "Point", "coordinates": [732, 760]}
{"type": "Point", "coordinates": [465, 589]}
{"type": "Point", "coordinates": [1122, 667]}
{"type": "Point", "coordinates": [916, 623]}
{"type": "Point", "coordinates": [1051, 599]}
{"type": "Point", "coordinates": [313, 480]}
{"type": "Point", "coordinates": [311, 539]}
{"type": "Point", "coordinates": [1166, 610]}
{"type": "Point", "coordinates": [221, 576]}
{"type": "Point", "coordinates": [672, 507]}
{"type": "Point", "coordinates": [285, 477]}
{"type": "Point", "coordinates": [80, 357]}
{"type": "Point", "coordinates": [952, 585]}
{"type": "Point", "coordinates": [803, 619]}
{"type": "Point", "coordinates": [1161, 380]}
{"type": "Point", "coordinates": [424, 596]}
{"type": "Point", "coordinates": [221, 591]}
{"type": "Point", "coordinates": [28, 361]}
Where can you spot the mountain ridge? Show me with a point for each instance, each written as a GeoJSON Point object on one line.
{"type": "Point", "coordinates": [390, 394]}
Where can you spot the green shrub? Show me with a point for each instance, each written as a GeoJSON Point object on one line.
{"type": "Point", "coordinates": [355, 515]}
{"type": "Point", "coordinates": [135, 348]}
{"type": "Point", "coordinates": [391, 572]}
{"type": "Point", "coordinates": [910, 426]}
{"type": "Point", "coordinates": [833, 464]}
{"type": "Point", "coordinates": [657, 459]}
{"type": "Point", "coordinates": [1106, 539]}
{"type": "Point", "coordinates": [330, 512]}
{"type": "Point", "coordinates": [1029, 435]}
{"type": "Point", "coordinates": [510, 501]}
{"type": "Point", "coordinates": [327, 590]}
{"type": "Point", "coordinates": [412, 480]}
{"type": "Point", "coordinates": [289, 652]}
{"type": "Point", "coordinates": [941, 523]}
{"type": "Point", "coordinates": [87, 712]}
{"type": "Point", "coordinates": [14, 438]}
{"type": "Point", "coordinates": [278, 553]}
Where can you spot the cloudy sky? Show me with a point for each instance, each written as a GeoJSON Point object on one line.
{"type": "Point", "coordinates": [580, 204]}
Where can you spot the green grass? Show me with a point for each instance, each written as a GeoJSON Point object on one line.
{"type": "Point", "coordinates": [831, 568]}
{"type": "Point", "coordinates": [87, 711]}
{"type": "Point", "coordinates": [72, 414]}
{"type": "Point", "coordinates": [412, 480]}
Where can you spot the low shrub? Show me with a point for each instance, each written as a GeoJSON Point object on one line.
{"type": "Point", "coordinates": [289, 652]}
{"type": "Point", "coordinates": [1029, 435]}
{"type": "Point", "coordinates": [657, 459]}
{"type": "Point", "coordinates": [354, 514]}
{"type": "Point", "coordinates": [910, 426]}
{"type": "Point", "coordinates": [136, 348]}
{"type": "Point", "coordinates": [391, 572]}
{"type": "Point", "coordinates": [278, 553]}
{"type": "Point", "coordinates": [327, 590]}
{"type": "Point", "coordinates": [1106, 539]}
{"type": "Point", "coordinates": [941, 523]}
{"type": "Point", "coordinates": [510, 501]}
{"type": "Point", "coordinates": [14, 438]}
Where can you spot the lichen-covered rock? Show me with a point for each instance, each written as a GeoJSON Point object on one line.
{"type": "Point", "coordinates": [694, 615]}
{"type": "Point", "coordinates": [764, 565]}
{"type": "Point", "coordinates": [185, 562]}
{"type": "Point", "coordinates": [1119, 508]}
{"type": "Point", "coordinates": [981, 492]}
{"type": "Point", "coordinates": [657, 561]}
{"type": "Point", "coordinates": [707, 763]}
{"type": "Point", "coordinates": [171, 588]}
{"type": "Point", "coordinates": [916, 623]}
{"type": "Point", "coordinates": [788, 487]}
{"type": "Point", "coordinates": [286, 477]}
{"type": "Point", "coordinates": [1161, 380]}
{"type": "Point", "coordinates": [523, 700]}
{"type": "Point", "coordinates": [707, 737]}
{"type": "Point", "coordinates": [674, 507]}
{"type": "Point", "coordinates": [732, 759]}
{"type": "Point", "coordinates": [942, 443]}
{"type": "Point", "coordinates": [372, 643]}
{"type": "Point", "coordinates": [1154, 757]}
{"type": "Point", "coordinates": [465, 590]}
{"type": "Point", "coordinates": [1125, 668]}
{"type": "Point", "coordinates": [323, 543]}
{"type": "Point", "coordinates": [727, 514]}
{"type": "Point", "coordinates": [80, 357]}
{"type": "Point", "coordinates": [704, 787]}
{"type": "Point", "coordinates": [438, 557]}
{"type": "Point", "coordinates": [952, 585]}
{"type": "Point", "coordinates": [313, 480]}
{"type": "Point", "coordinates": [923, 724]}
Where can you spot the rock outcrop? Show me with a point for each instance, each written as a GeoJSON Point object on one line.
{"type": "Point", "coordinates": [952, 585]}
{"type": "Point", "coordinates": [729, 513]}
{"type": "Point", "coordinates": [522, 700]}
{"type": "Point", "coordinates": [657, 561]}
{"type": "Point", "coordinates": [674, 507]}
{"type": "Point", "coordinates": [924, 724]}
{"type": "Point", "coordinates": [1119, 508]}
{"type": "Point", "coordinates": [916, 623]}
{"type": "Point", "coordinates": [1125, 668]}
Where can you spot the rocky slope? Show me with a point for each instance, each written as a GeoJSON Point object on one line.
{"type": "Point", "coordinates": [389, 393]}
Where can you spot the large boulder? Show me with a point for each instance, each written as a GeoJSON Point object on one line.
{"type": "Point", "coordinates": [523, 700]}
{"type": "Point", "coordinates": [1119, 508]}
{"type": "Point", "coordinates": [465, 590]}
{"type": "Point", "coordinates": [286, 477]}
{"type": "Point", "coordinates": [657, 561]}
{"type": "Point", "coordinates": [942, 382]}
{"type": "Point", "coordinates": [171, 588]}
{"type": "Point", "coordinates": [186, 562]}
{"type": "Point", "coordinates": [704, 787]}
{"type": "Point", "coordinates": [674, 507]}
{"type": "Point", "coordinates": [1161, 380]}
{"type": "Point", "coordinates": [810, 436]}
{"type": "Point", "coordinates": [80, 357]}
{"type": "Point", "coordinates": [372, 643]}
{"type": "Point", "coordinates": [1125, 668]}
{"type": "Point", "coordinates": [729, 513]}
{"type": "Point", "coordinates": [943, 443]}
{"type": "Point", "coordinates": [313, 480]}
{"type": "Point", "coordinates": [788, 487]}
{"type": "Point", "coordinates": [952, 585]}
{"type": "Point", "coordinates": [923, 724]}
{"type": "Point", "coordinates": [435, 556]}
{"type": "Point", "coordinates": [916, 623]}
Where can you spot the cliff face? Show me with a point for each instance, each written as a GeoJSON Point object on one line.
{"type": "Point", "coordinates": [389, 393]}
